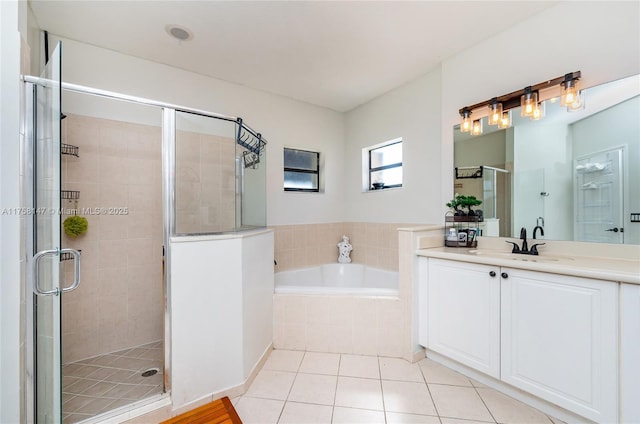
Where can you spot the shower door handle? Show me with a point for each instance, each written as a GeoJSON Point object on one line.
{"type": "Point", "coordinates": [76, 269]}
{"type": "Point", "coordinates": [36, 271]}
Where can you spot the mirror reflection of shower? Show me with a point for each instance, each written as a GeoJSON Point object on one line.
{"type": "Point", "coordinates": [491, 185]}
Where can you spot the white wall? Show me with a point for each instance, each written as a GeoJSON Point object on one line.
{"type": "Point", "coordinates": [412, 112]}
{"type": "Point", "coordinates": [257, 298]}
{"type": "Point", "coordinates": [603, 42]}
{"type": "Point", "coordinates": [282, 121]}
{"type": "Point", "coordinates": [489, 149]}
{"type": "Point", "coordinates": [206, 292]}
{"type": "Point", "coordinates": [221, 312]}
{"type": "Point", "coordinates": [12, 20]}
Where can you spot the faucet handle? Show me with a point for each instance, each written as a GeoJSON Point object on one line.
{"type": "Point", "coordinates": [516, 248]}
{"type": "Point", "coordinates": [534, 248]}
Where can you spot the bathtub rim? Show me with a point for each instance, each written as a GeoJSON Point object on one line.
{"type": "Point", "coordinates": [314, 290]}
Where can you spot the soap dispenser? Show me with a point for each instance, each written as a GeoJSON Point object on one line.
{"type": "Point", "coordinates": [452, 236]}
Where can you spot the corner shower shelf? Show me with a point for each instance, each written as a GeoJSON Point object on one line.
{"type": "Point", "coordinates": [69, 195]}
{"type": "Point", "coordinates": [68, 149]}
{"type": "Point", "coordinates": [469, 172]}
{"type": "Point", "coordinates": [66, 256]}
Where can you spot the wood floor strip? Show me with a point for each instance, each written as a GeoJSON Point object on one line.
{"type": "Point", "coordinates": [220, 411]}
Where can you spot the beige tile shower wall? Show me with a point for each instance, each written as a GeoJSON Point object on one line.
{"type": "Point", "coordinates": [307, 245]}
{"type": "Point", "coordinates": [120, 300]}
{"type": "Point", "coordinates": [205, 183]}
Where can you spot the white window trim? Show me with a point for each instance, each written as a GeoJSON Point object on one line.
{"type": "Point", "coordinates": [366, 188]}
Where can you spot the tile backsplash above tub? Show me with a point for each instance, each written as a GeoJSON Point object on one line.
{"type": "Point", "coordinates": [307, 245]}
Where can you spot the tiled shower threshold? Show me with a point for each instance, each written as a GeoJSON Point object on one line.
{"type": "Point", "coordinates": [104, 383]}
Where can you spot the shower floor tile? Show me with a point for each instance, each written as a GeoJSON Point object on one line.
{"type": "Point", "coordinates": [96, 385]}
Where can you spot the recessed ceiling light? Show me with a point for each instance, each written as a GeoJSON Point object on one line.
{"type": "Point", "coordinates": [179, 32]}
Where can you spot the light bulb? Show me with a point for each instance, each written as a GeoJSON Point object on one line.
{"type": "Point", "coordinates": [476, 128]}
{"type": "Point", "coordinates": [495, 112]}
{"type": "Point", "coordinates": [505, 120]}
{"type": "Point", "coordinates": [569, 90]}
{"type": "Point", "coordinates": [466, 124]}
{"type": "Point", "coordinates": [578, 102]}
{"type": "Point", "coordinates": [528, 102]}
{"type": "Point", "coordinates": [538, 111]}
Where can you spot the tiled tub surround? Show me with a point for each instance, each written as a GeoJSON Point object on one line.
{"type": "Point", "coordinates": [349, 323]}
{"type": "Point", "coordinates": [307, 245]}
{"type": "Point", "coordinates": [340, 324]}
{"type": "Point", "coordinates": [119, 303]}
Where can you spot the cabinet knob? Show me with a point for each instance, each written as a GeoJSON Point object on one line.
{"type": "Point", "coordinates": [504, 275]}
{"type": "Point", "coordinates": [492, 273]}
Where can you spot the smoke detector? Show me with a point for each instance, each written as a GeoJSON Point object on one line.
{"type": "Point", "coordinates": [178, 32]}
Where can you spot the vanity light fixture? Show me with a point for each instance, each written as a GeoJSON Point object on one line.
{"type": "Point", "coordinates": [495, 112]}
{"type": "Point", "coordinates": [569, 89]}
{"type": "Point", "coordinates": [531, 100]}
{"type": "Point", "coordinates": [466, 124]}
{"type": "Point", "coordinates": [505, 120]}
{"type": "Point", "coordinates": [528, 102]}
{"type": "Point", "coordinates": [476, 128]}
{"type": "Point", "coordinates": [538, 111]}
{"type": "Point", "coordinates": [578, 102]}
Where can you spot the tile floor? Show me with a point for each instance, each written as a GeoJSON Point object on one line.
{"type": "Point", "coordinates": [306, 387]}
{"type": "Point", "coordinates": [103, 383]}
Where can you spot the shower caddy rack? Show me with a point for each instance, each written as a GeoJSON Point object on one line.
{"type": "Point", "coordinates": [462, 224]}
{"type": "Point", "coordinates": [69, 150]}
{"type": "Point", "coordinates": [253, 142]}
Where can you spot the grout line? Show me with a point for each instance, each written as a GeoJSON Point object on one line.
{"type": "Point", "coordinates": [433, 402]}
{"type": "Point", "coordinates": [384, 407]}
{"type": "Point", "coordinates": [335, 392]}
{"type": "Point", "coordinates": [484, 403]}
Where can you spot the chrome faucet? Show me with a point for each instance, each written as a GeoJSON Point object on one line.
{"type": "Point", "coordinates": [525, 246]}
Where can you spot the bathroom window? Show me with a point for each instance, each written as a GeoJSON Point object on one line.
{"type": "Point", "coordinates": [384, 165]}
{"type": "Point", "coordinates": [301, 170]}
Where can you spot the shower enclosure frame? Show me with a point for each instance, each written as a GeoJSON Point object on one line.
{"type": "Point", "coordinates": [168, 211]}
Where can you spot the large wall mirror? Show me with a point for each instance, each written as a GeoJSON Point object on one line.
{"type": "Point", "coordinates": [575, 174]}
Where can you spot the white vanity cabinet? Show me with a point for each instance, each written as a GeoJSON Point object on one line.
{"type": "Point", "coordinates": [559, 339]}
{"type": "Point", "coordinates": [630, 353]}
{"type": "Point", "coordinates": [553, 336]}
{"type": "Point", "coordinates": [463, 313]}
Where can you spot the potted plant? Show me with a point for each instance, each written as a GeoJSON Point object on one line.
{"type": "Point", "coordinates": [468, 202]}
{"type": "Point", "coordinates": [455, 205]}
{"type": "Point", "coordinates": [462, 201]}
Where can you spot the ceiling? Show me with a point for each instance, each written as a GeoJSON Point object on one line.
{"type": "Point", "coordinates": [336, 54]}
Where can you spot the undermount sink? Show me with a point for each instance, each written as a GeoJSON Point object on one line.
{"type": "Point", "coordinates": [513, 256]}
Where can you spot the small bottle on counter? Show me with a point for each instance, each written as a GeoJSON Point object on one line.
{"type": "Point", "coordinates": [462, 238]}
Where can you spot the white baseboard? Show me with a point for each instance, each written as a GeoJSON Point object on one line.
{"type": "Point", "coordinates": [533, 401]}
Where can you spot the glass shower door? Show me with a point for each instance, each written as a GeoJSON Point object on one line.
{"type": "Point", "coordinates": [45, 264]}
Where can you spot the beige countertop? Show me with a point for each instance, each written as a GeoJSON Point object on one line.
{"type": "Point", "coordinates": [601, 268]}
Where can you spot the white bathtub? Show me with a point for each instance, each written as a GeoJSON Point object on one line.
{"type": "Point", "coordinates": [353, 279]}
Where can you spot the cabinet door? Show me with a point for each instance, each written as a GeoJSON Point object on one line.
{"type": "Point", "coordinates": [464, 313]}
{"type": "Point", "coordinates": [560, 340]}
{"type": "Point", "coordinates": [630, 353]}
